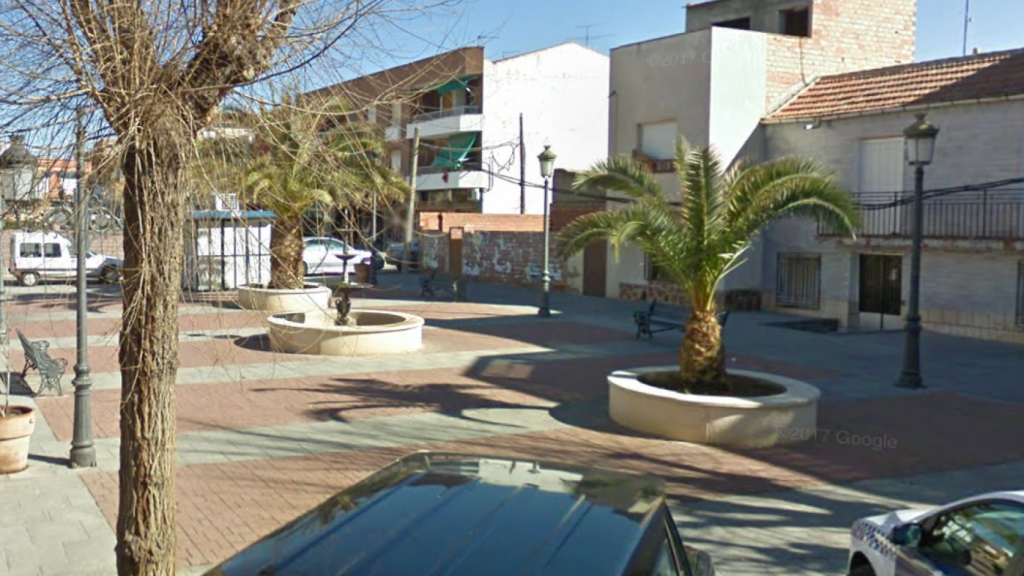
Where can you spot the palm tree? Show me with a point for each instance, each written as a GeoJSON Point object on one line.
{"type": "Point", "coordinates": [301, 159]}
{"type": "Point", "coordinates": [698, 241]}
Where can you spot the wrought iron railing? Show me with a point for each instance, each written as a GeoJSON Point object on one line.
{"type": "Point", "coordinates": [984, 215]}
{"type": "Point", "coordinates": [465, 167]}
{"type": "Point", "coordinates": [438, 114]}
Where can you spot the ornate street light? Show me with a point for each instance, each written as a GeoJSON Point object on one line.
{"type": "Point", "coordinates": [920, 149]}
{"type": "Point", "coordinates": [547, 167]}
{"type": "Point", "coordinates": [17, 175]}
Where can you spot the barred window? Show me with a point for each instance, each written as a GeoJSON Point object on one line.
{"type": "Point", "coordinates": [798, 281]}
{"type": "Point", "coordinates": [651, 270]}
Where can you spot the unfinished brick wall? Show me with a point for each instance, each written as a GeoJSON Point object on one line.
{"type": "Point", "coordinates": [445, 221]}
{"type": "Point", "coordinates": [846, 36]}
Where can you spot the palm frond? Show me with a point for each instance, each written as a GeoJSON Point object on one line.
{"type": "Point", "coordinates": [621, 174]}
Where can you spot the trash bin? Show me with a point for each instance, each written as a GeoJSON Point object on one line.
{"type": "Point", "coordinates": [363, 273]}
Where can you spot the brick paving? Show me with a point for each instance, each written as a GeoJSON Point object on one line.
{"type": "Point", "coordinates": [255, 457]}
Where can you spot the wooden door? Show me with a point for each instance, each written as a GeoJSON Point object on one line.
{"type": "Point", "coordinates": [595, 269]}
{"type": "Point", "coordinates": [455, 251]}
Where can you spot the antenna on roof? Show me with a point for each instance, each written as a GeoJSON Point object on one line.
{"type": "Point", "coordinates": [587, 37]}
{"type": "Point", "coordinates": [967, 22]}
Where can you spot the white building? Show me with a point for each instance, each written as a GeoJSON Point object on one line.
{"type": "Point", "coordinates": [467, 109]}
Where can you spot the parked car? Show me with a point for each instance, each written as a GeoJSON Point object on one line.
{"type": "Point", "coordinates": [978, 536]}
{"type": "Point", "coordinates": [395, 254]}
{"type": "Point", "coordinates": [320, 256]}
{"type": "Point", "coordinates": [433, 513]}
{"type": "Point", "coordinates": [47, 255]}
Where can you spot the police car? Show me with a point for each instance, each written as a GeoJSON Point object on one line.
{"type": "Point", "coordinates": [978, 536]}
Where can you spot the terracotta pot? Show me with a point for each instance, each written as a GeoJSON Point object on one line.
{"type": "Point", "coordinates": [15, 432]}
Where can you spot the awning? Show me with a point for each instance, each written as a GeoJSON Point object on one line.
{"type": "Point", "coordinates": [455, 154]}
{"type": "Point", "coordinates": [452, 86]}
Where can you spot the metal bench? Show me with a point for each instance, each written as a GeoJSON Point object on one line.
{"type": "Point", "coordinates": [36, 357]}
{"type": "Point", "coordinates": [647, 324]}
{"type": "Point", "coordinates": [434, 283]}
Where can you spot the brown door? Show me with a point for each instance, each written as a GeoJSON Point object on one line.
{"type": "Point", "coordinates": [455, 251]}
{"type": "Point", "coordinates": [595, 269]}
{"type": "Point", "coordinates": [881, 284]}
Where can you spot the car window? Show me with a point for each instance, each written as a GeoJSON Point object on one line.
{"type": "Point", "coordinates": [314, 244]}
{"type": "Point", "coordinates": [51, 250]}
{"type": "Point", "coordinates": [31, 250]}
{"type": "Point", "coordinates": [656, 553]}
{"type": "Point", "coordinates": [336, 245]}
{"type": "Point", "coordinates": [981, 539]}
{"type": "Point", "coordinates": [665, 561]}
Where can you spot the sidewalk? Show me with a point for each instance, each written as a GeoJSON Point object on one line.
{"type": "Point", "coordinates": [265, 436]}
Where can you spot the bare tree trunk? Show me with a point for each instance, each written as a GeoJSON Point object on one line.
{"type": "Point", "coordinates": [702, 356]}
{"type": "Point", "coordinates": [154, 208]}
{"type": "Point", "coordinates": [286, 248]}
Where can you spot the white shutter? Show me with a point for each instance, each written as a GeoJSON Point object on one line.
{"type": "Point", "coordinates": [658, 140]}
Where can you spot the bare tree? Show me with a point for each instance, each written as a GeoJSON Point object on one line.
{"type": "Point", "coordinates": [152, 74]}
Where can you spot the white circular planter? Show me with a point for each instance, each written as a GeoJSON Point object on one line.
{"type": "Point", "coordinates": [376, 332]}
{"type": "Point", "coordinates": [15, 435]}
{"type": "Point", "coordinates": [717, 420]}
{"type": "Point", "coordinates": [311, 297]}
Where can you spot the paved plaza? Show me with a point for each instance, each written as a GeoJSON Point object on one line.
{"type": "Point", "coordinates": [264, 436]}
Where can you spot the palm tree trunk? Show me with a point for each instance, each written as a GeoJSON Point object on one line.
{"type": "Point", "coordinates": [286, 253]}
{"type": "Point", "coordinates": [154, 209]}
{"type": "Point", "coordinates": [702, 356]}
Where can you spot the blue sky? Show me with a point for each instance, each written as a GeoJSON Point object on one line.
{"type": "Point", "coordinates": [522, 25]}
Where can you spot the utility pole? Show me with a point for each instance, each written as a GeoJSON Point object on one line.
{"type": "Point", "coordinates": [967, 23]}
{"type": "Point", "coordinates": [83, 452]}
{"type": "Point", "coordinates": [522, 168]}
{"type": "Point", "coordinates": [411, 215]}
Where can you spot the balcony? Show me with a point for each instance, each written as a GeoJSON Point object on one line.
{"type": "Point", "coordinates": [446, 122]}
{"type": "Point", "coordinates": [393, 133]}
{"type": "Point", "coordinates": [985, 215]}
{"type": "Point", "coordinates": [471, 175]}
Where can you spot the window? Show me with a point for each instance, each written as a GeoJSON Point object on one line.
{"type": "Point", "coordinates": [31, 251]}
{"type": "Point", "coordinates": [51, 250]}
{"type": "Point", "coordinates": [1020, 293]}
{"type": "Point", "coordinates": [658, 140]}
{"type": "Point", "coordinates": [335, 245]}
{"type": "Point", "coordinates": [651, 270]}
{"type": "Point", "coordinates": [980, 539]}
{"type": "Point", "coordinates": [798, 281]}
{"type": "Point", "coordinates": [396, 160]}
{"type": "Point", "coordinates": [371, 114]}
{"type": "Point", "coordinates": [738, 24]}
{"type": "Point", "coordinates": [396, 113]}
{"type": "Point", "coordinates": [795, 22]}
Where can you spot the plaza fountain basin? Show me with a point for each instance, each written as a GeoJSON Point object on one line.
{"type": "Point", "coordinates": [311, 297]}
{"type": "Point", "coordinates": [373, 332]}
{"type": "Point", "coordinates": [758, 422]}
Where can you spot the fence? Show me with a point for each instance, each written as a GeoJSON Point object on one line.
{"type": "Point", "coordinates": [985, 215]}
{"type": "Point", "coordinates": [438, 114]}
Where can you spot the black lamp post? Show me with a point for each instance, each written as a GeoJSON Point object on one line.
{"type": "Point", "coordinates": [83, 451]}
{"type": "Point", "coordinates": [547, 166]}
{"type": "Point", "coordinates": [920, 146]}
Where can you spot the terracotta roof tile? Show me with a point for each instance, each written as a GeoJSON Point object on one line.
{"type": "Point", "coordinates": [981, 76]}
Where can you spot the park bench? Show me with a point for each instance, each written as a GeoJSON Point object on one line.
{"type": "Point", "coordinates": [648, 324]}
{"type": "Point", "coordinates": [432, 284]}
{"type": "Point", "coordinates": [36, 357]}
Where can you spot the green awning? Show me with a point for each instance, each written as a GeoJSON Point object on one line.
{"type": "Point", "coordinates": [452, 86]}
{"type": "Point", "coordinates": [455, 154]}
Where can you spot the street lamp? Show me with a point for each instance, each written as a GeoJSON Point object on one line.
{"type": "Point", "coordinates": [17, 171]}
{"type": "Point", "coordinates": [83, 452]}
{"type": "Point", "coordinates": [547, 166]}
{"type": "Point", "coordinates": [920, 148]}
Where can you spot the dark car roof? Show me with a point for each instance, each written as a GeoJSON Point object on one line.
{"type": "Point", "coordinates": [443, 514]}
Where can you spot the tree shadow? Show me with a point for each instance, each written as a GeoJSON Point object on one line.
{"type": "Point", "coordinates": [258, 342]}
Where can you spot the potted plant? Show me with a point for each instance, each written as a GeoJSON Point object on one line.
{"type": "Point", "coordinates": [16, 426]}
{"type": "Point", "coordinates": [302, 158]}
{"type": "Point", "coordinates": [696, 243]}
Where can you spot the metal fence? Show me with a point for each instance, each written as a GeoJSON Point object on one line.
{"type": "Point", "coordinates": [985, 215]}
{"type": "Point", "coordinates": [798, 281]}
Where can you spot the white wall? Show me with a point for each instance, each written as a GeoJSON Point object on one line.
{"type": "Point", "coordinates": [739, 89]}
{"type": "Point", "coordinates": [562, 93]}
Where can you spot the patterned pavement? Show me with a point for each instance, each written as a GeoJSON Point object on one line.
{"type": "Point", "coordinates": [265, 436]}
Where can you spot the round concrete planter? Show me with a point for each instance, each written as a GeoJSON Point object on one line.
{"type": "Point", "coordinates": [717, 420]}
{"type": "Point", "coordinates": [258, 297]}
{"type": "Point", "coordinates": [15, 433]}
{"type": "Point", "coordinates": [376, 332]}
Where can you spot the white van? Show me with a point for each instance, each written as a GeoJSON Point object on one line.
{"type": "Point", "coordinates": [48, 255]}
